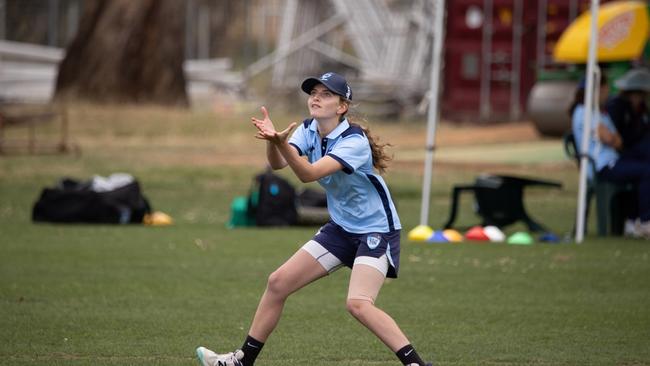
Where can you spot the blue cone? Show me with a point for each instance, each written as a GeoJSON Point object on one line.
{"type": "Point", "coordinates": [438, 237]}
{"type": "Point", "coordinates": [549, 238]}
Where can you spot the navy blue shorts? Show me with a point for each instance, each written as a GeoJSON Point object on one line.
{"type": "Point", "coordinates": [347, 246]}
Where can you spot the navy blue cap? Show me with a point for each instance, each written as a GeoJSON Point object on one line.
{"type": "Point", "coordinates": [332, 81]}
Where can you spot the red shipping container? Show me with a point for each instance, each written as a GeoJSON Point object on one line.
{"type": "Point", "coordinates": [509, 76]}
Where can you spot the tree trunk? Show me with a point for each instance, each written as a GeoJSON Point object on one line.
{"type": "Point", "coordinates": [127, 51]}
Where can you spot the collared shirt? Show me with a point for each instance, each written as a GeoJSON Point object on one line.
{"type": "Point", "coordinates": [358, 199]}
{"type": "Point", "coordinates": [603, 154]}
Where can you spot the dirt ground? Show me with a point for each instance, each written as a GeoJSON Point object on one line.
{"type": "Point", "coordinates": [211, 138]}
{"type": "Point", "coordinates": [451, 134]}
{"type": "Point", "coordinates": [506, 147]}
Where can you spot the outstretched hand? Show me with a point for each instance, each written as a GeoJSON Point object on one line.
{"type": "Point", "coordinates": [266, 130]}
{"type": "Point", "coordinates": [264, 125]}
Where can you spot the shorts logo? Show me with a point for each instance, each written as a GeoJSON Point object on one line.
{"type": "Point", "coordinates": [373, 241]}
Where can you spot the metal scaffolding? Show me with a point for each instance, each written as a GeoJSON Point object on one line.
{"type": "Point", "coordinates": [384, 49]}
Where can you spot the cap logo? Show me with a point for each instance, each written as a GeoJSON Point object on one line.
{"type": "Point", "coordinates": [347, 94]}
{"type": "Point", "coordinates": [326, 76]}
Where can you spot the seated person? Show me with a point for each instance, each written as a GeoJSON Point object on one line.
{"type": "Point", "coordinates": [629, 112]}
{"type": "Point", "coordinates": [603, 146]}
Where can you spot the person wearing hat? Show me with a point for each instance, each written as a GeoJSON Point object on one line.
{"type": "Point", "coordinates": [630, 114]}
{"type": "Point", "coordinates": [364, 229]}
{"type": "Point", "coordinates": [603, 148]}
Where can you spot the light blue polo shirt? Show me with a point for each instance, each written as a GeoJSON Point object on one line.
{"type": "Point", "coordinates": [603, 154]}
{"type": "Point", "coordinates": [358, 199]}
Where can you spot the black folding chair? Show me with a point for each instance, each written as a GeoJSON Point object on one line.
{"type": "Point", "coordinates": [499, 200]}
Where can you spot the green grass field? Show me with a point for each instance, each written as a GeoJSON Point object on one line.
{"type": "Point", "coordinates": [135, 295]}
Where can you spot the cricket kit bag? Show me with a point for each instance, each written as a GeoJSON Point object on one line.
{"type": "Point", "coordinates": [73, 201]}
{"type": "Point", "coordinates": [275, 201]}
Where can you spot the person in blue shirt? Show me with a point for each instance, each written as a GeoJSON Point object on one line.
{"type": "Point", "coordinates": [604, 148]}
{"type": "Point", "coordinates": [364, 230]}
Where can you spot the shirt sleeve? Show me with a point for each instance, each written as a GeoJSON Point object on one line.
{"type": "Point", "coordinates": [352, 152]}
{"type": "Point", "coordinates": [299, 139]}
{"type": "Point", "coordinates": [577, 124]}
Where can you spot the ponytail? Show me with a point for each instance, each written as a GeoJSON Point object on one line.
{"type": "Point", "coordinates": [380, 158]}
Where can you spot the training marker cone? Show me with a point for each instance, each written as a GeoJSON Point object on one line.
{"type": "Point", "coordinates": [420, 233]}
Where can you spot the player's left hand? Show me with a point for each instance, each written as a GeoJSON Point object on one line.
{"type": "Point", "coordinates": [282, 136]}
{"type": "Point", "coordinates": [275, 137]}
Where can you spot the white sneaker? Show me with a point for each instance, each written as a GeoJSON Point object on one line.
{"type": "Point", "coordinates": [209, 358]}
{"type": "Point", "coordinates": [631, 228]}
{"type": "Point", "coordinates": [643, 228]}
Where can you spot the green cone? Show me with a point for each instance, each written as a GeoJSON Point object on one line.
{"type": "Point", "coordinates": [520, 238]}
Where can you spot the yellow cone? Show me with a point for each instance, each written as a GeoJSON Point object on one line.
{"type": "Point", "coordinates": [157, 218]}
{"type": "Point", "coordinates": [420, 233]}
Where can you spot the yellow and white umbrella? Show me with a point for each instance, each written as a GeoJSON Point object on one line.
{"type": "Point", "coordinates": [623, 30]}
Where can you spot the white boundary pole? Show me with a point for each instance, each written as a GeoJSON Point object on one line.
{"type": "Point", "coordinates": [486, 61]}
{"type": "Point", "coordinates": [433, 115]}
{"type": "Point", "coordinates": [515, 69]}
{"type": "Point", "coordinates": [589, 102]}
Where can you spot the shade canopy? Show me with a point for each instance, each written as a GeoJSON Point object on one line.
{"type": "Point", "coordinates": [623, 29]}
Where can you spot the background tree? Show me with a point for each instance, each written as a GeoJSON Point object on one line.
{"type": "Point", "coordinates": [127, 51]}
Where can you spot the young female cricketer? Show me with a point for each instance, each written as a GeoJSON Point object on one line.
{"type": "Point", "coordinates": [364, 230]}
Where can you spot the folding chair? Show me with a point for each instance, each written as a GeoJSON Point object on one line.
{"type": "Point", "coordinates": [499, 200]}
{"type": "Point", "coordinates": [610, 214]}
